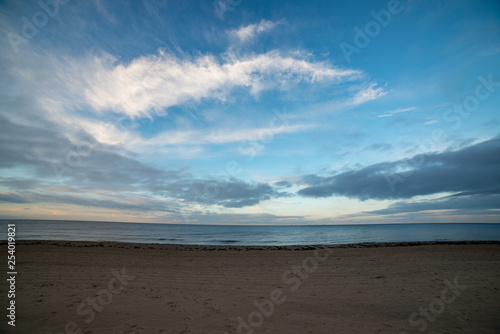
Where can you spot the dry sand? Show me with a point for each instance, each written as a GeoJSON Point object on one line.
{"type": "Point", "coordinates": [390, 288]}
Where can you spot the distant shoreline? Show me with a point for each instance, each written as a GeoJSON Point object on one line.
{"type": "Point", "coordinates": [188, 247]}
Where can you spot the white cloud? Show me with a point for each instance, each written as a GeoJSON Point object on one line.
{"type": "Point", "coordinates": [356, 95]}
{"type": "Point", "coordinates": [397, 111]}
{"type": "Point", "coordinates": [178, 143]}
{"type": "Point", "coordinates": [62, 87]}
{"type": "Point", "coordinates": [94, 93]}
{"type": "Point", "coordinates": [224, 136]}
{"type": "Point", "coordinates": [369, 93]}
{"type": "Point", "coordinates": [150, 84]}
{"type": "Point", "coordinates": [250, 31]}
{"type": "Point", "coordinates": [109, 134]}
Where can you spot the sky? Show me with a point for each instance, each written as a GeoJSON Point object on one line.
{"type": "Point", "coordinates": [250, 112]}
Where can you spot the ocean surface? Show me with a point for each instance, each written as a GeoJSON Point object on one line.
{"type": "Point", "coordinates": [246, 235]}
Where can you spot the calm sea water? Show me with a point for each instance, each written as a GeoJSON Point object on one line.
{"type": "Point", "coordinates": [246, 235]}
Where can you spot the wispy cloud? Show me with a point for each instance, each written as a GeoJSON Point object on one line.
{"type": "Point", "coordinates": [150, 84]}
{"type": "Point", "coordinates": [397, 111]}
{"type": "Point", "coordinates": [369, 93]}
{"type": "Point", "coordinates": [223, 136]}
{"type": "Point", "coordinates": [102, 10]}
{"type": "Point", "coordinates": [185, 143]}
{"type": "Point", "coordinates": [223, 6]}
{"type": "Point", "coordinates": [249, 32]}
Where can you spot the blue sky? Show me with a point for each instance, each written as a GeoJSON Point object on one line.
{"type": "Point", "coordinates": [250, 112]}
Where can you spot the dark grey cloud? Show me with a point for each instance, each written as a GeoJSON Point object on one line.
{"type": "Point", "coordinates": [470, 169]}
{"type": "Point", "coordinates": [85, 165]}
{"type": "Point", "coordinates": [29, 146]}
{"type": "Point", "coordinates": [82, 200]}
{"type": "Point", "coordinates": [148, 205]}
{"type": "Point", "coordinates": [19, 184]}
{"type": "Point", "coordinates": [12, 198]}
{"type": "Point", "coordinates": [283, 184]}
{"type": "Point", "coordinates": [488, 200]}
{"type": "Point", "coordinates": [82, 162]}
{"type": "Point", "coordinates": [230, 193]}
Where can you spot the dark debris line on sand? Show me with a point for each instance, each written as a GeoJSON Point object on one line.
{"type": "Point", "coordinates": [242, 248]}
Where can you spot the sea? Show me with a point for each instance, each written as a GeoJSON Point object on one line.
{"type": "Point", "coordinates": [190, 234]}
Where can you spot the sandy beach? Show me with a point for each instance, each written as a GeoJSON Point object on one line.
{"type": "Point", "coordinates": [106, 287]}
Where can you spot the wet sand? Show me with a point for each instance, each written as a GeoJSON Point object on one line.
{"type": "Point", "coordinates": [109, 287]}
